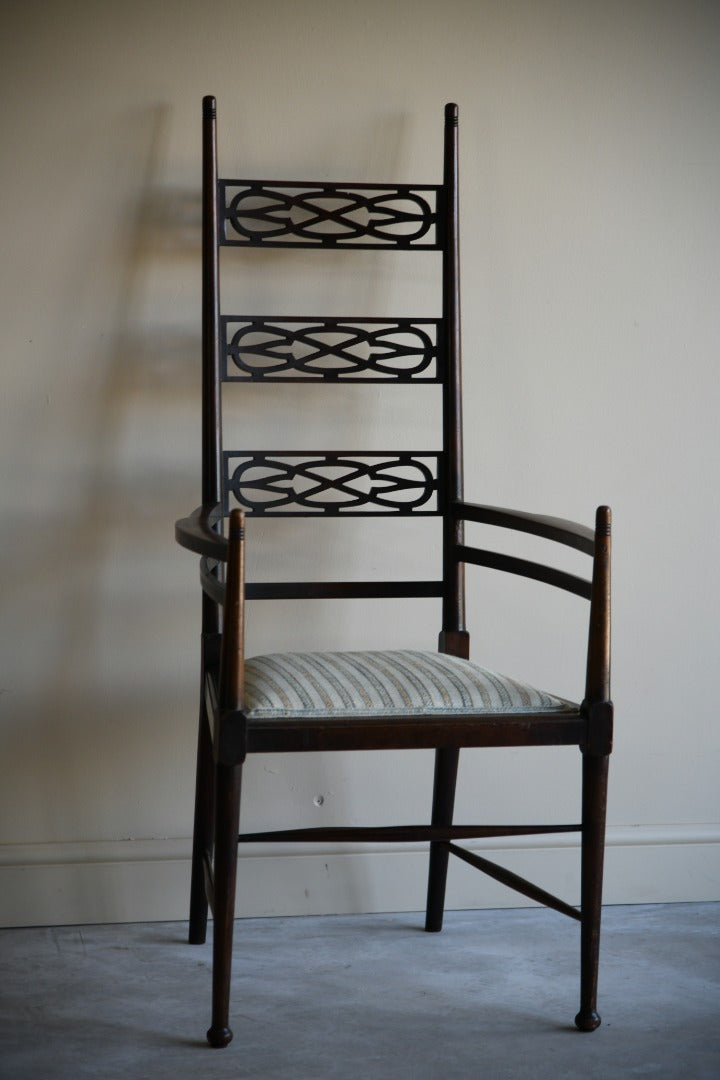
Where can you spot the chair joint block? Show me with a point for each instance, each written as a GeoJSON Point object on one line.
{"type": "Point", "coordinates": [599, 728]}
{"type": "Point", "coordinates": [210, 643]}
{"type": "Point", "coordinates": [230, 743]}
{"type": "Point", "coordinates": [455, 643]}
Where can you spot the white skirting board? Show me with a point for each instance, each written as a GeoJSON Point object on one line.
{"type": "Point", "coordinates": [148, 880]}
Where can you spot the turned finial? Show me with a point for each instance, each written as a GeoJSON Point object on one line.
{"type": "Point", "coordinates": [451, 113]}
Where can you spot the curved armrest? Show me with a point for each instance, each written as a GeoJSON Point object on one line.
{"type": "Point", "coordinates": [197, 532]}
{"type": "Point", "coordinates": [551, 528]}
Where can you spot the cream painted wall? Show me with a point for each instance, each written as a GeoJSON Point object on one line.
{"type": "Point", "coordinates": [590, 157]}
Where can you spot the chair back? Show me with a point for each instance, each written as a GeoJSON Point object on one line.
{"type": "Point", "coordinates": [247, 348]}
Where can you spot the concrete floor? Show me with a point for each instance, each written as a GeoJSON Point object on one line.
{"type": "Point", "coordinates": [368, 996]}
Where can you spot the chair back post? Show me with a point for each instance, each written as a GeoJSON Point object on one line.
{"type": "Point", "coordinates": [453, 637]}
{"type": "Point", "coordinates": [211, 415]}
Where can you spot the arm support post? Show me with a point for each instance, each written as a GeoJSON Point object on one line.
{"type": "Point", "coordinates": [597, 703]}
{"type": "Point", "coordinates": [232, 653]}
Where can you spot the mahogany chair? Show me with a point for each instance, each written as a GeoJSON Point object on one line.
{"type": "Point", "coordinates": [366, 700]}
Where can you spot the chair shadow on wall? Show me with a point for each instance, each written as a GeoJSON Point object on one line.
{"type": "Point", "coordinates": [81, 740]}
{"type": "Point", "coordinates": [110, 723]}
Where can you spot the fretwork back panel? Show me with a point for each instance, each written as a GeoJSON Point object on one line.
{"type": "Point", "coordinates": [331, 349]}
{"type": "Point", "coordinates": [280, 214]}
{"type": "Point", "coordinates": [342, 483]}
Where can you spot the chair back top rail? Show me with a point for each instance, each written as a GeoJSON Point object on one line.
{"type": "Point", "coordinates": [328, 185]}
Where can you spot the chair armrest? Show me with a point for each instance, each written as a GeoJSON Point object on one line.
{"type": "Point", "coordinates": [551, 528]}
{"type": "Point", "coordinates": [197, 532]}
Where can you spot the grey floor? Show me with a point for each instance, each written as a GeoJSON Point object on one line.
{"type": "Point", "coordinates": [369, 996]}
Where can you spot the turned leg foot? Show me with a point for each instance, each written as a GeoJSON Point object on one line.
{"type": "Point", "coordinates": [219, 1036]}
{"type": "Point", "coordinates": [587, 1021]}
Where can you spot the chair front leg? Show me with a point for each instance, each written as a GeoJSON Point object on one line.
{"type": "Point", "coordinates": [594, 800]}
{"type": "Point", "coordinates": [446, 767]}
{"type": "Point", "coordinates": [227, 823]}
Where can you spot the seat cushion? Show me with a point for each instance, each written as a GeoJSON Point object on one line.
{"type": "Point", "coordinates": [397, 683]}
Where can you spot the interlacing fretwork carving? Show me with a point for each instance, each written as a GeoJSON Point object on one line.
{"type": "Point", "coordinates": [376, 350]}
{"type": "Point", "coordinates": [329, 215]}
{"type": "Point", "coordinates": [332, 483]}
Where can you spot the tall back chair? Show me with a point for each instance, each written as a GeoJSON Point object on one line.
{"type": "Point", "coordinates": [375, 700]}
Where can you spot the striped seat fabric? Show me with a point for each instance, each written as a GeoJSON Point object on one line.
{"type": "Point", "coordinates": [398, 683]}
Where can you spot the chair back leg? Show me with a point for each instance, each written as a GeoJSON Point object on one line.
{"type": "Point", "coordinates": [594, 803]}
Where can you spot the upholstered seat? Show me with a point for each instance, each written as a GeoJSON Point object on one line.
{"type": "Point", "coordinates": [396, 683]}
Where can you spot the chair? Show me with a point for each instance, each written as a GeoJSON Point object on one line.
{"type": "Point", "coordinates": [366, 700]}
